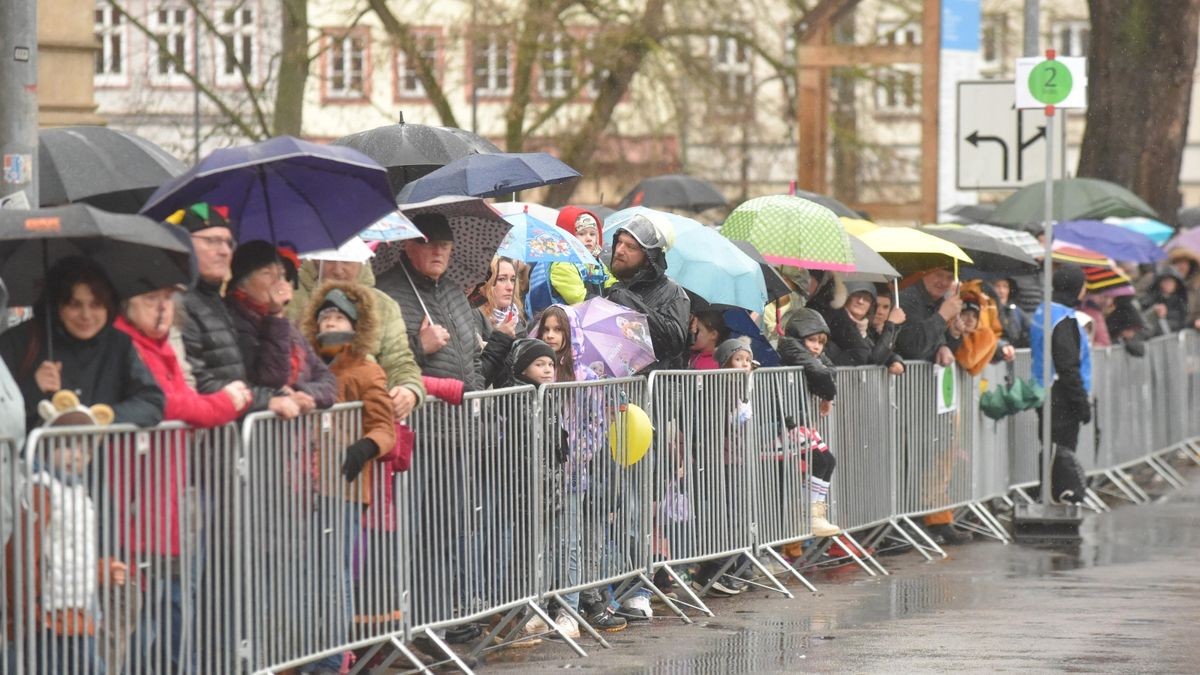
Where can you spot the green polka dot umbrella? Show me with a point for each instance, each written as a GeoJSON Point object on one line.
{"type": "Point", "coordinates": [791, 230]}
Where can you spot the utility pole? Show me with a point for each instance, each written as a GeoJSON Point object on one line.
{"type": "Point", "coordinates": [18, 104]}
{"type": "Point", "coordinates": [1031, 28]}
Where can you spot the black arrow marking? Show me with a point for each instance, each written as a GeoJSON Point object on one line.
{"type": "Point", "coordinates": [974, 139]}
{"type": "Point", "coordinates": [1023, 144]}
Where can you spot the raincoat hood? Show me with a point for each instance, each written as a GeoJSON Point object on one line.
{"type": "Point", "coordinates": [1068, 280]}
{"type": "Point", "coordinates": [366, 329]}
{"type": "Point", "coordinates": [1169, 273]}
{"type": "Point", "coordinates": [1185, 254]}
{"type": "Point", "coordinates": [804, 322]}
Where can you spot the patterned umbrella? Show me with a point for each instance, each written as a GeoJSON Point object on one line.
{"type": "Point", "coordinates": [1019, 238]}
{"type": "Point", "coordinates": [616, 339]}
{"type": "Point", "coordinates": [478, 231]}
{"type": "Point", "coordinates": [1158, 232]}
{"type": "Point", "coordinates": [532, 240]}
{"type": "Point", "coordinates": [792, 231]}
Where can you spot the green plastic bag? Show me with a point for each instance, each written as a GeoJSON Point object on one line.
{"type": "Point", "coordinates": [994, 402]}
{"type": "Point", "coordinates": [1025, 395]}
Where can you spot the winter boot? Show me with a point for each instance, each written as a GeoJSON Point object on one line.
{"type": "Point", "coordinates": [821, 527]}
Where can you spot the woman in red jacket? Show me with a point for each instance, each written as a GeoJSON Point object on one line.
{"type": "Point", "coordinates": [152, 485]}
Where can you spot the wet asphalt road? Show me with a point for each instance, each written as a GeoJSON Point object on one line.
{"type": "Point", "coordinates": [1125, 600]}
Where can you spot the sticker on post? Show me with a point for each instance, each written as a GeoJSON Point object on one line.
{"type": "Point", "coordinates": [946, 388]}
{"type": "Point", "coordinates": [18, 168]}
{"type": "Point", "coordinates": [18, 201]}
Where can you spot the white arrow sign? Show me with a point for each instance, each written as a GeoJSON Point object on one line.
{"type": "Point", "coordinates": [999, 147]}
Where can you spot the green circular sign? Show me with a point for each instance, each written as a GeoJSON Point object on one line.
{"type": "Point", "coordinates": [947, 387]}
{"type": "Point", "coordinates": [1050, 82]}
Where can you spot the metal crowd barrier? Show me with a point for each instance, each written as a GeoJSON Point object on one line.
{"type": "Point", "coordinates": [242, 548]}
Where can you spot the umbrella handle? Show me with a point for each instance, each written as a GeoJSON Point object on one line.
{"type": "Point", "coordinates": [415, 291]}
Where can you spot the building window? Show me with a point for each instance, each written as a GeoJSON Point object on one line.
{"type": "Point", "coordinates": [345, 66]}
{"type": "Point", "coordinates": [237, 45]}
{"type": "Point", "coordinates": [897, 91]}
{"type": "Point", "coordinates": [732, 66]}
{"type": "Point", "coordinates": [898, 34]}
{"type": "Point", "coordinates": [1072, 38]}
{"type": "Point", "coordinates": [993, 42]}
{"type": "Point", "coordinates": [110, 46]}
{"type": "Point", "coordinates": [169, 25]}
{"type": "Point", "coordinates": [408, 82]}
{"type": "Point", "coordinates": [491, 66]}
{"type": "Point", "coordinates": [557, 66]}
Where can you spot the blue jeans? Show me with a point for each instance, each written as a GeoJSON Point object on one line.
{"type": "Point", "coordinates": [333, 601]}
{"type": "Point", "coordinates": [162, 618]}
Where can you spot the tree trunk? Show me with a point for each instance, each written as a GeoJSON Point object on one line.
{"type": "Point", "coordinates": [293, 69]}
{"type": "Point", "coordinates": [1139, 96]}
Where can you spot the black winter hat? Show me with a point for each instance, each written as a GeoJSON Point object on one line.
{"type": "Point", "coordinates": [434, 226]}
{"type": "Point", "coordinates": [251, 257]}
{"type": "Point", "coordinates": [526, 350]}
{"type": "Point", "coordinates": [1067, 281]}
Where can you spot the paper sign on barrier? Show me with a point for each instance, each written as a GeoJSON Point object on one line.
{"type": "Point", "coordinates": [946, 388]}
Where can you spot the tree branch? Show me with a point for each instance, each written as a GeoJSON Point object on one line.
{"type": "Point", "coordinates": [402, 36]}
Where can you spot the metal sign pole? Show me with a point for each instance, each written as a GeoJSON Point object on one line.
{"type": "Point", "coordinates": [1047, 291]}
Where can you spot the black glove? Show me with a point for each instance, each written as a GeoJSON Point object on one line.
{"type": "Point", "coordinates": [357, 455]}
{"type": "Point", "coordinates": [561, 452]}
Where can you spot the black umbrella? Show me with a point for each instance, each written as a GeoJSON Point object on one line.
{"type": "Point", "coordinates": [109, 169]}
{"type": "Point", "coordinates": [674, 191]}
{"type": "Point", "coordinates": [410, 151]}
{"type": "Point", "coordinates": [971, 213]}
{"type": "Point", "coordinates": [137, 254]}
{"type": "Point", "coordinates": [988, 253]}
{"type": "Point", "coordinates": [776, 286]}
{"type": "Point", "coordinates": [839, 209]}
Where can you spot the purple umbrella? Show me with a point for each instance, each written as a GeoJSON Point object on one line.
{"type": "Point", "coordinates": [616, 339]}
{"type": "Point", "coordinates": [1113, 241]}
{"type": "Point", "coordinates": [284, 190]}
{"type": "Point", "coordinates": [1188, 239]}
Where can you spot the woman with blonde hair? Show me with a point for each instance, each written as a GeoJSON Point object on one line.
{"type": "Point", "coordinates": [502, 309]}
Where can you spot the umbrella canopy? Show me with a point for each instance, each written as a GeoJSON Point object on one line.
{"type": "Point", "coordinates": [1188, 217]}
{"type": "Point", "coordinates": [669, 224]}
{"type": "Point", "coordinates": [1019, 238]}
{"type": "Point", "coordinates": [138, 254]}
{"type": "Point", "coordinates": [712, 267]}
{"type": "Point", "coordinates": [395, 226]}
{"type": "Point", "coordinates": [477, 230]}
{"type": "Point", "coordinates": [533, 240]}
{"type": "Point", "coordinates": [792, 231]}
{"type": "Point", "coordinates": [740, 324]}
{"type": "Point", "coordinates": [113, 170]}
{"type": "Point", "coordinates": [831, 203]}
{"type": "Point", "coordinates": [1188, 239]}
{"type": "Point", "coordinates": [355, 250]}
{"type": "Point", "coordinates": [284, 190]}
{"type": "Point", "coordinates": [1075, 254]}
{"type": "Point", "coordinates": [971, 213]}
{"type": "Point", "coordinates": [601, 211]}
{"type": "Point", "coordinates": [910, 250]}
{"type": "Point", "coordinates": [489, 176]}
{"type": "Point", "coordinates": [1113, 241]}
{"type": "Point", "coordinates": [869, 265]}
{"type": "Point", "coordinates": [616, 339]}
{"type": "Point", "coordinates": [674, 191]}
{"type": "Point", "coordinates": [542, 213]}
{"type": "Point", "coordinates": [1107, 281]}
{"type": "Point", "coordinates": [410, 151]}
{"type": "Point", "coordinates": [1074, 199]}
{"type": "Point", "coordinates": [1158, 232]}
{"type": "Point", "coordinates": [987, 254]}
{"type": "Point", "coordinates": [775, 285]}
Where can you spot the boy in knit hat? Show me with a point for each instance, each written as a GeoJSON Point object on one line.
{"type": "Point", "coordinates": [735, 353]}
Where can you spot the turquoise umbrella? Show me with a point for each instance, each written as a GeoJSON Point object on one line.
{"type": "Point", "coordinates": [1157, 231]}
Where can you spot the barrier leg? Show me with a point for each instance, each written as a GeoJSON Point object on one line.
{"type": "Point", "coordinates": [865, 553]}
{"type": "Point", "coordinates": [402, 650]}
{"type": "Point", "coordinates": [663, 597]}
{"type": "Point", "coordinates": [775, 585]}
{"type": "Point", "coordinates": [988, 528]}
{"type": "Point", "coordinates": [445, 649]}
{"type": "Point", "coordinates": [699, 604]}
{"type": "Point", "coordinates": [505, 622]}
{"type": "Point", "coordinates": [837, 538]}
{"type": "Point", "coordinates": [896, 527]}
{"type": "Point", "coordinates": [1133, 485]}
{"type": "Point", "coordinates": [788, 566]}
{"type": "Point", "coordinates": [1113, 478]}
{"type": "Point", "coordinates": [924, 535]}
{"type": "Point", "coordinates": [1101, 505]}
{"type": "Point", "coordinates": [1191, 450]}
{"type": "Point", "coordinates": [1167, 468]}
{"type": "Point", "coordinates": [987, 513]}
{"type": "Point", "coordinates": [557, 629]}
{"type": "Point", "coordinates": [574, 613]}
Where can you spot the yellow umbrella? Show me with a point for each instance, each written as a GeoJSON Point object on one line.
{"type": "Point", "coordinates": [911, 250]}
{"type": "Point", "coordinates": [857, 226]}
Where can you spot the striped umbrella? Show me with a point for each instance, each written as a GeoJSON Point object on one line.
{"type": "Point", "coordinates": [1019, 238]}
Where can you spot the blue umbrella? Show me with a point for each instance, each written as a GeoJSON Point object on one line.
{"type": "Point", "coordinates": [740, 324]}
{"type": "Point", "coordinates": [284, 190]}
{"type": "Point", "coordinates": [710, 266]}
{"type": "Point", "coordinates": [532, 240]}
{"type": "Point", "coordinates": [1159, 232]}
{"type": "Point", "coordinates": [1113, 241]}
{"type": "Point", "coordinates": [671, 224]}
{"type": "Point", "coordinates": [489, 176]}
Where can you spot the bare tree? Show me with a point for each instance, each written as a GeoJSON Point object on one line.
{"type": "Point", "coordinates": [1141, 66]}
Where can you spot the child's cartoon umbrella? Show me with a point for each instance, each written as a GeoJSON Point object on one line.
{"type": "Point", "coordinates": [533, 240]}
{"type": "Point", "coordinates": [616, 339]}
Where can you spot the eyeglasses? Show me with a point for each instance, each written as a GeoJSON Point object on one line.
{"type": "Point", "coordinates": [216, 241]}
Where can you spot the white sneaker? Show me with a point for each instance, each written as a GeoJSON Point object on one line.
{"type": "Point", "coordinates": [637, 608]}
{"type": "Point", "coordinates": [536, 626]}
{"type": "Point", "coordinates": [567, 624]}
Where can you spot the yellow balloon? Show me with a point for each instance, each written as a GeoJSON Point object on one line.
{"type": "Point", "coordinates": [637, 431]}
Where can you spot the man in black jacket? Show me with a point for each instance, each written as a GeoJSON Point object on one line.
{"type": "Point", "coordinates": [929, 306]}
{"type": "Point", "coordinates": [208, 333]}
{"type": "Point", "coordinates": [639, 262]}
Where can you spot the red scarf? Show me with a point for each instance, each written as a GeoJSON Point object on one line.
{"type": "Point", "coordinates": [296, 352]}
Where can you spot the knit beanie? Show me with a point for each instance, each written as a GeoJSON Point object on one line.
{"type": "Point", "coordinates": [574, 218]}
{"type": "Point", "coordinates": [726, 350]}
{"type": "Point", "coordinates": [336, 299]}
{"type": "Point", "coordinates": [525, 351]}
{"type": "Point", "coordinates": [251, 257]}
